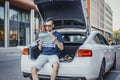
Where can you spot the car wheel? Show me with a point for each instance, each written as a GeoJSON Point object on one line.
{"type": "Point", "coordinates": [102, 71]}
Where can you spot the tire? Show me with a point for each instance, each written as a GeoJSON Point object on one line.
{"type": "Point", "coordinates": [102, 71]}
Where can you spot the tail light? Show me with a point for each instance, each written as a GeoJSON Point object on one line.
{"type": "Point", "coordinates": [84, 53]}
{"type": "Point", "coordinates": [25, 51]}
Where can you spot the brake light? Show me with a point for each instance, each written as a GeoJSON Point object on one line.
{"type": "Point", "coordinates": [84, 53]}
{"type": "Point", "coordinates": [25, 51]}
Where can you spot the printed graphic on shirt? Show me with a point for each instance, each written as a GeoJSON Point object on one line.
{"type": "Point", "coordinates": [48, 43]}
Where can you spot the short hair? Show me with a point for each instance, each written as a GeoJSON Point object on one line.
{"type": "Point", "coordinates": [50, 19]}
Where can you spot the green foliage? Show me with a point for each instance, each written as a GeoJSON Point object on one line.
{"type": "Point", "coordinates": [116, 36]}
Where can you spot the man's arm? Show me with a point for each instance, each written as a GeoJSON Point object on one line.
{"type": "Point", "coordinates": [40, 45]}
{"type": "Point", "coordinates": [59, 44]}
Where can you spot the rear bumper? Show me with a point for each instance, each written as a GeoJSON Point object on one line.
{"type": "Point", "coordinates": [57, 78]}
{"type": "Point", "coordinates": [84, 69]}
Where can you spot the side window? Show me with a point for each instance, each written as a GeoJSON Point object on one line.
{"type": "Point", "coordinates": [96, 39]}
{"type": "Point", "coordinates": [99, 39]}
{"type": "Point", "coordinates": [105, 41]}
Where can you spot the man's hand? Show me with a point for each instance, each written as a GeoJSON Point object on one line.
{"type": "Point", "coordinates": [53, 38]}
{"type": "Point", "coordinates": [40, 45]}
{"type": "Point", "coordinates": [59, 44]}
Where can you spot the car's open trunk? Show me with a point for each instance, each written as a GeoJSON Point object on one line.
{"type": "Point", "coordinates": [67, 55]}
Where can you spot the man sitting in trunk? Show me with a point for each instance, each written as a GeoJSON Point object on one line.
{"type": "Point", "coordinates": [49, 52]}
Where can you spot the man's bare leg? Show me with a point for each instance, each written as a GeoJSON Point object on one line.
{"type": "Point", "coordinates": [55, 71]}
{"type": "Point", "coordinates": [34, 73]}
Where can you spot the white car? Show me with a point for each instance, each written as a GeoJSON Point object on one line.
{"type": "Point", "coordinates": [85, 55]}
{"type": "Point", "coordinates": [82, 58]}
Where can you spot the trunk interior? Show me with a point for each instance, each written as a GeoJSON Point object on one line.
{"type": "Point", "coordinates": [67, 55]}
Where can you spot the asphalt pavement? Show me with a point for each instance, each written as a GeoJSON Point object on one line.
{"type": "Point", "coordinates": [10, 64]}
{"type": "Point", "coordinates": [9, 53]}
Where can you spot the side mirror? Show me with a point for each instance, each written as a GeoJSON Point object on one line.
{"type": "Point", "coordinates": [109, 41]}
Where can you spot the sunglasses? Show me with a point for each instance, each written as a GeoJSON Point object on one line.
{"type": "Point", "coordinates": [48, 25]}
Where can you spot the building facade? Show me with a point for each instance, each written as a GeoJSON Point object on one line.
{"type": "Point", "coordinates": [108, 20]}
{"type": "Point", "coordinates": [100, 16]}
{"type": "Point", "coordinates": [19, 22]}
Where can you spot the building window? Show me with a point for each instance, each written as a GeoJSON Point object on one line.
{"type": "Point", "coordinates": [13, 32]}
{"type": "Point", "coordinates": [24, 28]}
{"type": "Point", "coordinates": [2, 26]}
{"type": "Point", "coordinates": [19, 33]}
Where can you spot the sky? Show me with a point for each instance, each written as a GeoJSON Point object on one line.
{"type": "Point", "coordinates": [115, 6]}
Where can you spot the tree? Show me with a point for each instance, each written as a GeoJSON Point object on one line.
{"type": "Point", "coordinates": [116, 36]}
